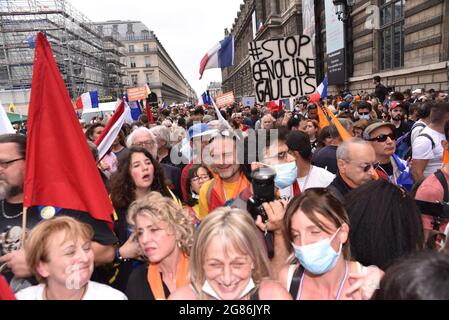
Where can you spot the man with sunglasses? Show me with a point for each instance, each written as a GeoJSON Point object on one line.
{"type": "Point", "coordinates": [356, 162]}
{"type": "Point", "coordinates": [391, 167]}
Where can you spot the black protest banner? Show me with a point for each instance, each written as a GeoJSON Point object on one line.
{"type": "Point", "coordinates": [282, 68]}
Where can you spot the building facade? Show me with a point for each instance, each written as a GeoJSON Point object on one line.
{"type": "Point", "coordinates": [147, 62]}
{"type": "Point", "coordinates": [82, 53]}
{"type": "Point", "coordinates": [214, 89]}
{"type": "Point", "coordinates": [408, 49]}
{"type": "Point", "coordinates": [406, 43]}
{"type": "Point", "coordinates": [258, 20]}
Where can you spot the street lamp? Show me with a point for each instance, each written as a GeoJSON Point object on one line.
{"type": "Point", "coordinates": [343, 11]}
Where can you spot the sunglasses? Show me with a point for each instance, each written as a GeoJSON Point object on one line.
{"type": "Point", "coordinates": [368, 167]}
{"type": "Point", "coordinates": [383, 137]}
{"type": "Point", "coordinates": [364, 113]}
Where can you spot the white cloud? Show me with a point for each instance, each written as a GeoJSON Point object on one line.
{"type": "Point", "coordinates": [186, 29]}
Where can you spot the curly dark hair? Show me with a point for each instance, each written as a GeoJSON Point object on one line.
{"type": "Point", "coordinates": [122, 184]}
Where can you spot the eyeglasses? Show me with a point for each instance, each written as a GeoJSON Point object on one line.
{"type": "Point", "coordinates": [6, 164]}
{"type": "Point", "coordinates": [203, 178]}
{"type": "Point", "coordinates": [144, 143]}
{"type": "Point", "coordinates": [364, 113]}
{"type": "Point", "coordinates": [383, 137]}
{"type": "Point", "coordinates": [367, 167]}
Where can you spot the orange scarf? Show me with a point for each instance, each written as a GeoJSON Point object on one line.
{"type": "Point", "coordinates": [155, 280]}
{"type": "Point", "coordinates": [241, 185]}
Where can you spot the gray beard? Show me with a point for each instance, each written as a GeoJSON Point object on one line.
{"type": "Point", "coordinates": [7, 191]}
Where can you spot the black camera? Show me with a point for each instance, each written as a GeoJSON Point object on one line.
{"type": "Point", "coordinates": [262, 181]}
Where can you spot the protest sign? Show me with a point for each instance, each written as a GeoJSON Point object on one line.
{"type": "Point", "coordinates": [282, 68]}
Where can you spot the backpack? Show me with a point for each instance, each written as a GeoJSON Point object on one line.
{"type": "Point", "coordinates": [406, 140]}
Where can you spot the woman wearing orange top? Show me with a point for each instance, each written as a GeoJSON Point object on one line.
{"type": "Point", "coordinates": [165, 235]}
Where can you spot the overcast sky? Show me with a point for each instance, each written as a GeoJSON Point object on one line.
{"type": "Point", "coordinates": [187, 29]}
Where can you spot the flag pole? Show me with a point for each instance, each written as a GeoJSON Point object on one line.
{"type": "Point", "coordinates": [24, 225]}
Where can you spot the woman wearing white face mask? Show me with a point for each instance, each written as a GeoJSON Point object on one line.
{"type": "Point", "coordinates": [318, 227]}
{"type": "Point", "coordinates": [228, 262]}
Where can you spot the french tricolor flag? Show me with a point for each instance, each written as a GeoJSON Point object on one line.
{"type": "Point", "coordinates": [321, 92]}
{"type": "Point", "coordinates": [87, 100]}
{"type": "Point", "coordinates": [220, 56]}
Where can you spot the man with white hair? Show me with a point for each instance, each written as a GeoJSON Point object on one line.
{"type": "Point", "coordinates": [144, 138]}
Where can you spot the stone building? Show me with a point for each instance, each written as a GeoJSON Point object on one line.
{"type": "Point", "coordinates": [258, 20]}
{"type": "Point", "coordinates": [147, 62]}
{"type": "Point", "coordinates": [214, 89]}
{"type": "Point", "coordinates": [408, 47]}
{"type": "Point", "coordinates": [409, 50]}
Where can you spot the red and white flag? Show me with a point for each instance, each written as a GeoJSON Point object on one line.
{"type": "Point", "coordinates": [121, 115]}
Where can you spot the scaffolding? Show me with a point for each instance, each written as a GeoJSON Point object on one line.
{"type": "Point", "coordinates": [86, 58]}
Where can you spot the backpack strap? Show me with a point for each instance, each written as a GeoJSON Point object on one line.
{"type": "Point", "coordinates": [428, 137]}
{"type": "Point", "coordinates": [442, 179]}
{"type": "Point", "coordinates": [296, 280]}
{"type": "Point", "coordinates": [418, 125]}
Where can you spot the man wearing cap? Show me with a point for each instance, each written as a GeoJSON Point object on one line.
{"type": "Point", "coordinates": [198, 137]}
{"type": "Point", "coordinates": [397, 116]}
{"type": "Point", "coordinates": [415, 95]}
{"type": "Point", "coordinates": [391, 167]}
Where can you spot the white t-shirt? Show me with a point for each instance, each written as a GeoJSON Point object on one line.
{"type": "Point", "coordinates": [417, 131]}
{"type": "Point", "coordinates": [95, 291]}
{"type": "Point", "coordinates": [422, 150]}
{"type": "Point", "coordinates": [317, 178]}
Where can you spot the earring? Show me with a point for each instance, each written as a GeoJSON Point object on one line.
{"type": "Point", "coordinates": [179, 244]}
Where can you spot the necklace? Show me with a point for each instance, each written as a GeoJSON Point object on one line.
{"type": "Point", "coordinates": [342, 284]}
{"type": "Point", "coordinates": [9, 217]}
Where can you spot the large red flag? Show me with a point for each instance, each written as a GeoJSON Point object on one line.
{"type": "Point", "coordinates": [60, 169]}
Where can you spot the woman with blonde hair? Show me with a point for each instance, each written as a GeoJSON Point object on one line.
{"type": "Point", "coordinates": [229, 261]}
{"type": "Point", "coordinates": [165, 235]}
{"type": "Point", "coordinates": [60, 256]}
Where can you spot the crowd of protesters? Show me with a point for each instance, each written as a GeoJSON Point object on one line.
{"type": "Point", "coordinates": [195, 217]}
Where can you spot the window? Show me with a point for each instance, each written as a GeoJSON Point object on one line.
{"type": "Point", "coordinates": [134, 79]}
{"type": "Point", "coordinates": [130, 27]}
{"type": "Point", "coordinates": [146, 47]}
{"type": "Point", "coordinates": [4, 73]}
{"type": "Point", "coordinates": [147, 62]}
{"type": "Point", "coordinates": [391, 34]}
{"type": "Point", "coordinates": [145, 34]}
{"type": "Point", "coordinates": [131, 49]}
{"type": "Point", "coordinates": [115, 28]}
{"type": "Point", "coordinates": [130, 36]}
{"type": "Point", "coordinates": [132, 62]}
{"type": "Point", "coordinates": [148, 77]}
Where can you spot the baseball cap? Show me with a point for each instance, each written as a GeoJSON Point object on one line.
{"type": "Point", "coordinates": [396, 104]}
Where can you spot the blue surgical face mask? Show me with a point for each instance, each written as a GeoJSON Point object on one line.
{"type": "Point", "coordinates": [319, 257]}
{"type": "Point", "coordinates": [286, 174]}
